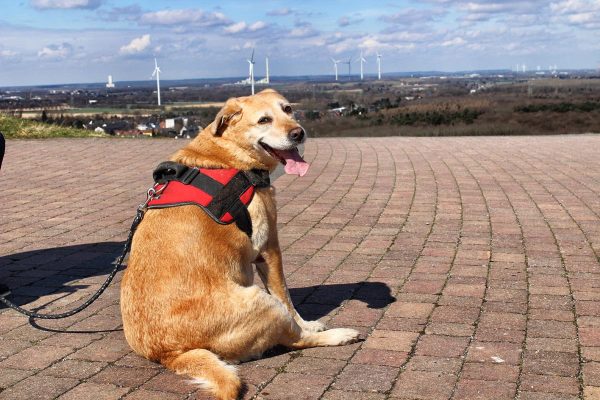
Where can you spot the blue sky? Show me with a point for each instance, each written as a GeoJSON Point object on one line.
{"type": "Point", "coordinates": [68, 41]}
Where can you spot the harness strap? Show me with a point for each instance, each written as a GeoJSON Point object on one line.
{"type": "Point", "coordinates": [224, 194]}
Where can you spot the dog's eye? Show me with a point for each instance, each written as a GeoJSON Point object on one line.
{"type": "Point", "coordinates": [287, 109]}
{"type": "Point", "coordinates": [265, 120]}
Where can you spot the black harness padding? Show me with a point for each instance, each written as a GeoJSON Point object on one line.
{"type": "Point", "coordinates": [224, 197]}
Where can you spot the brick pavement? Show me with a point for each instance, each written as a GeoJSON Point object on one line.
{"type": "Point", "coordinates": [489, 245]}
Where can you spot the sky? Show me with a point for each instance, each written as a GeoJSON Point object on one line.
{"type": "Point", "coordinates": [77, 41]}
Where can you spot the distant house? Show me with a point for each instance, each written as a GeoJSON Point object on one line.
{"type": "Point", "coordinates": [338, 111]}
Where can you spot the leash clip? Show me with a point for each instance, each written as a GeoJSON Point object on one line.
{"type": "Point", "coordinates": [153, 193]}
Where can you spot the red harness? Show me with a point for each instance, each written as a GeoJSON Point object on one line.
{"type": "Point", "coordinates": [223, 194]}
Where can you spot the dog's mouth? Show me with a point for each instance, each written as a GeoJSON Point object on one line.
{"type": "Point", "coordinates": [290, 158]}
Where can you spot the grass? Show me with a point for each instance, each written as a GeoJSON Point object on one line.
{"type": "Point", "coordinates": [17, 128]}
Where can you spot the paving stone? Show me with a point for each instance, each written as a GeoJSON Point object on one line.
{"type": "Point", "coordinates": [391, 340]}
{"type": "Point", "coordinates": [342, 395]}
{"type": "Point", "coordinates": [78, 369]}
{"type": "Point", "coordinates": [366, 378]}
{"type": "Point", "coordinates": [591, 392]}
{"type": "Point", "coordinates": [423, 385]}
{"type": "Point", "coordinates": [37, 357]}
{"type": "Point", "coordinates": [434, 364]}
{"type": "Point", "coordinates": [550, 384]}
{"type": "Point", "coordinates": [142, 394]}
{"type": "Point", "coordinates": [94, 391]}
{"type": "Point", "coordinates": [591, 374]}
{"type": "Point", "coordinates": [490, 372]}
{"type": "Point", "coordinates": [550, 363]}
{"type": "Point", "coordinates": [468, 389]}
{"type": "Point", "coordinates": [169, 382]}
{"type": "Point", "coordinates": [380, 357]}
{"type": "Point", "coordinates": [124, 376]}
{"type": "Point", "coordinates": [328, 367]}
{"type": "Point", "coordinates": [38, 387]}
{"type": "Point", "coordinates": [494, 352]}
{"type": "Point", "coordinates": [9, 376]}
{"type": "Point", "coordinates": [441, 346]}
{"type": "Point", "coordinates": [296, 386]}
{"type": "Point", "coordinates": [484, 242]}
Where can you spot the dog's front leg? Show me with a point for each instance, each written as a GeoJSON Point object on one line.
{"type": "Point", "coordinates": [271, 273]}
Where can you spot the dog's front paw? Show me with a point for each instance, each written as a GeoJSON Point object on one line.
{"type": "Point", "coordinates": [342, 336]}
{"type": "Point", "coordinates": [312, 326]}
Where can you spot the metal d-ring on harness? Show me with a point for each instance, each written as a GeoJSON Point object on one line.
{"type": "Point", "coordinates": [153, 192]}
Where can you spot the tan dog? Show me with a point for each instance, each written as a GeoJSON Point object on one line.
{"type": "Point", "coordinates": [187, 296]}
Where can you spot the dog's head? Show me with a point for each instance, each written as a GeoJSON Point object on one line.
{"type": "Point", "coordinates": [263, 126]}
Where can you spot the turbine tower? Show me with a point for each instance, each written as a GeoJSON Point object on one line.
{"type": "Point", "coordinates": [335, 67]}
{"type": "Point", "coordinates": [349, 62]}
{"type": "Point", "coordinates": [267, 80]}
{"type": "Point", "coordinates": [251, 70]}
{"type": "Point", "coordinates": [378, 66]}
{"type": "Point", "coordinates": [362, 60]}
{"type": "Point", "coordinates": [157, 73]}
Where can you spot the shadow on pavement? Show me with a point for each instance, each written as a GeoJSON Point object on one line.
{"type": "Point", "coordinates": [49, 272]}
{"type": "Point", "coordinates": [58, 273]}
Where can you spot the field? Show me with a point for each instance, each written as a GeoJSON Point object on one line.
{"type": "Point", "coordinates": [550, 106]}
{"type": "Point", "coordinates": [432, 106]}
{"type": "Point", "coordinates": [17, 128]}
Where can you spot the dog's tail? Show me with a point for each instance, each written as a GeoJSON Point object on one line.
{"type": "Point", "coordinates": [208, 371]}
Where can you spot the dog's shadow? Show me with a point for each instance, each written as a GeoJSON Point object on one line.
{"type": "Point", "coordinates": [57, 273]}
{"type": "Point", "coordinates": [38, 279]}
{"type": "Point", "coordinates": [314, 302]}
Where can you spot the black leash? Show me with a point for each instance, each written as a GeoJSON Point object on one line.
{"type": "Point", "coordinates": [152, 192]}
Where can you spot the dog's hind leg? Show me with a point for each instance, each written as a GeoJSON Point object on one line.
{"type": "Point", "coordinates": [271, 273]}
{"type": "Point", "coordinates": [261, 321]}
{"type": "Point", "coordinates": [208, 371]}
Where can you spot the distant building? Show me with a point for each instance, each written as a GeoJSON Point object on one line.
{"type": "Point", "coordinates": [110, 83]}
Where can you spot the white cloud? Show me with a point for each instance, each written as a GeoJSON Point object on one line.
{"type": "Point", "coordinates": [413, 16]}
{"type": "Point", "coordinates": [236, 28]}
{"type": "Point", "coordinates": [136, 46]}
{"type": "Point", "coordinates": [193, 17]}
{"type": "Point", "coordinates": [8, 53]}
{"type": "Point", "coordinates": [457, 41]}
{"type": "Point", "coordinates": [345, 20]}
{"type": "Point", "coordinates": [280, 12]}
{"type": "Point", "coordinates": [66, 4]}
{"type": "Point", "coordinates": [303, 32]}
{"type": "Point", "coordinates": [241, 27]}
{"type": "Point", "coordinates": [258, 25]}
{"type": "Point", "coordinates": [577, 12]}
{"type": "Point", "coordinates": [56, 52]}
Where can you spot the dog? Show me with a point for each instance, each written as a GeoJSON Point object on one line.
{"type": "Point", "coordinates": [188, 299]}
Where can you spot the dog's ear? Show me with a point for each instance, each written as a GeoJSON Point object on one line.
{"type": "Point", "coordinates": [227, 116]}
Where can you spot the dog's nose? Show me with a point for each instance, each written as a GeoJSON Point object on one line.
{"type": "Point", "coordinates": [296, 134]}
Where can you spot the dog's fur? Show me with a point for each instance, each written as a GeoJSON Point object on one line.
{"type": "Point", "coordinates": [187, 296]}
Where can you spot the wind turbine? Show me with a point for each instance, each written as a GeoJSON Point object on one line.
{"type": "Point", "coordinates": [251, 70]}
{"type": "Point", "coordinates": [267, 80]}
{"type": "Point", "coordinates": [335, 67]}
{"type": "Point", "coordinates": [349, 62]}
{"type": "Point", "coordinates": [362, 60]}
{"type": "Point", "coordinates": [157, 73]}
{"type": "Point", "coordinates": [378, 66]}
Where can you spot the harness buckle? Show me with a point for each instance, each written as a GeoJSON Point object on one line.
{"type": "Point", "coordinates": [189, 175]}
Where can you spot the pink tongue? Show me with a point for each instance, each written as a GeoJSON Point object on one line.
{"type": "Point", "coordinates": [294, 163]}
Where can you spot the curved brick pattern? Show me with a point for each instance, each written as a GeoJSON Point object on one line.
{"type": "Point", "coordinates": [489, 245]}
